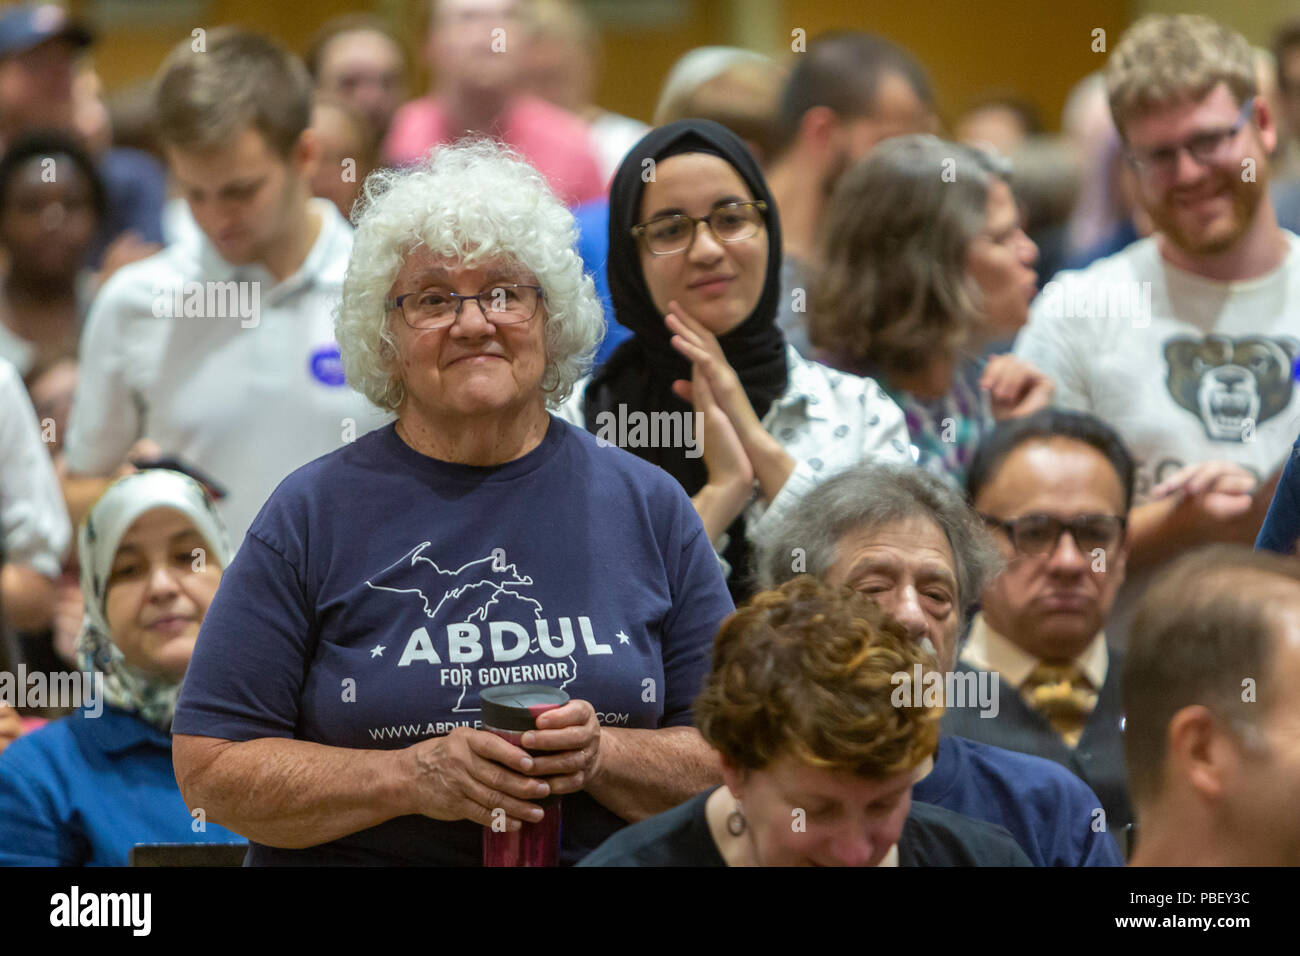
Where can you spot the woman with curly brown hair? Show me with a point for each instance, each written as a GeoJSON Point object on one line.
{"type": "Point", "coordinates": [809, 706]}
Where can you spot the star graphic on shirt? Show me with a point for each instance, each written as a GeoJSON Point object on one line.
{"type": "Point", "coordinates": [377, 650]}
{"type": "Point", "coordinates": [622, 638]}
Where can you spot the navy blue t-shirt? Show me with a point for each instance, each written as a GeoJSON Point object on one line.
{"type": "Point", "coordinates": [379, 590]}
{"type": "Point", "coordinates": [1051, 812]}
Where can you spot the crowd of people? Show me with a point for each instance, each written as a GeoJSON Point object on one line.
{"type": "Point", "coordinates": [879, 495]}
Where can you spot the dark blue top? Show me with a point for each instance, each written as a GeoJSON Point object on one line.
{"type": "Point", "coordinates": [379, 590]}
{"type": "Point", "coordinates": [593, 247]}
{"type": "Point", "coordinates": [1049, 810]}
{"type": "Point", "coordinates": [83, 790]}
{"type": "Point", "coordinates": [1281, 528]}
{"type": "Point", "coordinates": [135, 187]}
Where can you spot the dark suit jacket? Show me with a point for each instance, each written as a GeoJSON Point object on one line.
{"type": "Point", "coordinates": [1099, 758]}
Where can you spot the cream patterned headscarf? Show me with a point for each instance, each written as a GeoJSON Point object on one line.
{"type": "Point", "coordinates": [151, 697]}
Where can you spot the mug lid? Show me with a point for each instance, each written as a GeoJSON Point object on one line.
{"type": "Point", "coordinates": [515, 707]}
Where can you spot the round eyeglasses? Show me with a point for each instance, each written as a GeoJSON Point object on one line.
{"type": "Point", "coordinates": [438, 308]}
{"type": "Point", "coordinates": [732, 222]}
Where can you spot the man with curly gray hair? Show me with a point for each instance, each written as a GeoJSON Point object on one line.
{"type": "Point", "coordinates": [907, 539]}
{"type": "Point", "coordinates": [468, 545]}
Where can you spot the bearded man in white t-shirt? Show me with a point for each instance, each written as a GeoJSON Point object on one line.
{"type": "Point", "coordinates": [219, 351]}
{"type": "Point", "coordinates": [1186, 341]}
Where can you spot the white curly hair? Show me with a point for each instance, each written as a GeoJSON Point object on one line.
{"type": "Point", "coordinates": [473, 202]}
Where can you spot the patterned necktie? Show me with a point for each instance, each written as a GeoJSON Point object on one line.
{"type": "Point", "coordinates": [1062, 694]}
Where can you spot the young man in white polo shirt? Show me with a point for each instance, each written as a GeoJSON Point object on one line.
{"type": "Point", "coordinates": [1186, 342]}
{"type": "Point", "coordinates": [219, 350]}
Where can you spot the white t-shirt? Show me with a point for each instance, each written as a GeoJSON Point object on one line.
{"type": "Point", "coordinates": [35, 523]}
{"type": "Point", "coordinates": [1186, 369]}
{"type": "Point", "coordinates": [245, 383]}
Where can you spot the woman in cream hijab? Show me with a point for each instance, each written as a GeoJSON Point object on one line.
{"type": "Point", "coordinates": [85, 789]}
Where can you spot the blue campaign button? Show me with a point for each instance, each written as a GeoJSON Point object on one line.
{"type": "Point", "coordinates": [327, 365]}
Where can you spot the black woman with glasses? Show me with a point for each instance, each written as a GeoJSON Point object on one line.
{"type": "Point", "coordinates": [1054, 489]}
{"type": "Point", "coordinates": [694, 272]}
{"type": "Point", "coordinates": [334, 709]}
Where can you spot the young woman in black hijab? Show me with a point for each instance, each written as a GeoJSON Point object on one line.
{"type": "Point", "coordinates": [702, 303]}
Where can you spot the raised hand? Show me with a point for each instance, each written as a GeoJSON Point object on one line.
{"type": "Point", "coordinates": [1016, 388]}
{"type": "Point", "coordinates": [724, 455]}
{"type": "Point", "coordinates": [698, 344]}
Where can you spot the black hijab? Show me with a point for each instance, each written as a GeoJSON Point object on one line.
{"type": "Point", "coordinates": [642, 369]}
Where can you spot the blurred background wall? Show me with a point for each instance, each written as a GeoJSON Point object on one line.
{"type": "Point", "coordinates": [1035, 48]}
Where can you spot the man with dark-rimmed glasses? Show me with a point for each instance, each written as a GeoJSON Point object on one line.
{"type": "Point", "coordinates": [1054, 489]}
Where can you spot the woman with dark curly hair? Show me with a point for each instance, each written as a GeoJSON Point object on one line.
{"type": "Point", "coordinates": [818, 754]}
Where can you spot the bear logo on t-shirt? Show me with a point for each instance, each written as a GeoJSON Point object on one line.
{"type": "Point", "coordinates": [1232, 384]}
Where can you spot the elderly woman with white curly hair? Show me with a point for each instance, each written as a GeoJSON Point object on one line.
{"type": "Point", "coordinates": [331, 713]}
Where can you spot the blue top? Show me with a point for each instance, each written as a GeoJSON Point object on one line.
{"type": "Point", "coordinates": [1281, 528]}
{"type": "Point", "coordinates": [380, 589]}
{"type": "Point", "coordinates": [135, 187]}
{"type": "Point", "coordinates": [83, 790]}
{"type": "Point", "coordinates": [593, 247]}
{"type": "Point", "coordinates": [1048, 810]}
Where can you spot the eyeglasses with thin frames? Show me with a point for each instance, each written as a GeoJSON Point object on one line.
{"type": "Point", "coordinates": [1205, 148]}
{"type": "Point", "coordinates": [438, 308]}
{"type": "Point", "coordinates": [731, 222]}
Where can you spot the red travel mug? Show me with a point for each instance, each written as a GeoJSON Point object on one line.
{"type": "Point", "coordinates": [510, 711]}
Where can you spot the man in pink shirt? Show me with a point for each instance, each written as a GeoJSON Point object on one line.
{"type": "Point", "coordinates": [475, 48]}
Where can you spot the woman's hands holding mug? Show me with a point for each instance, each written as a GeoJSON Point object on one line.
{"type": "Point", "coordinates": [475, 775]}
